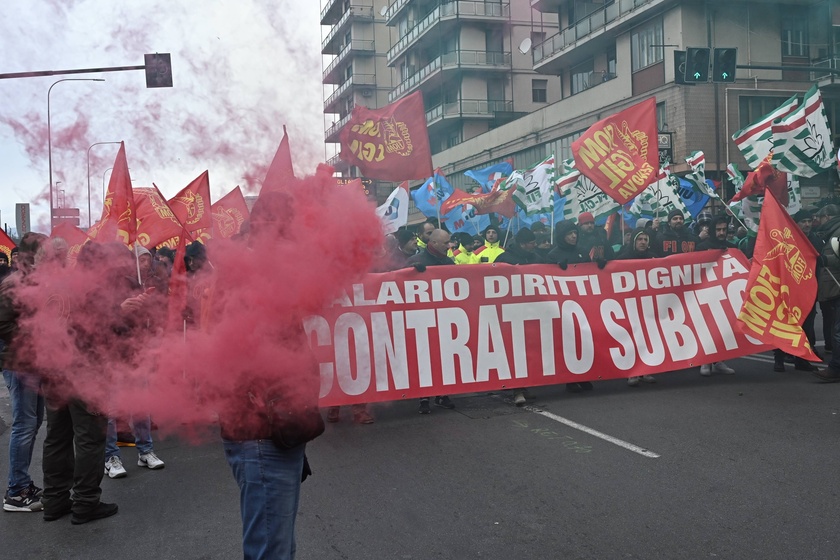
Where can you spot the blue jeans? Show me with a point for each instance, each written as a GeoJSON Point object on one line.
{"type": "Point", "coordinates": [269, 492]}
{"type": "Point", "coordinates": [27, 417]}
{"type": "Point", "coordinates": [141, 428]}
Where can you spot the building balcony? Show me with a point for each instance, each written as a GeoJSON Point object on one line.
{"type": "Point", "coordinates": [333, 43]}
{"type": "Point", "coordinates": [608, 21]}
{"type": "Point", "coordinates": [467, 109]}
{"type": "Point", "coordinates": [826, 78]}
{"type": "Point", "coordinates": [368, 81]}
{"type": "Point", "coordinates": [547, 6]}
{"type": "Point", "coordinates": [394, 10]}
{"type": "Point", "coordinates": [332, 74]}
{"type": "Point", "coordinates": [464, 59]}
{"type": "Point", "coordinates": [331, 11]}
{"type": "Point", "coordinates": [447, 16]}
{"type": "Point", "coordinates": [338, 164]}
{"type": "Point", "coordinates": [331, 135]}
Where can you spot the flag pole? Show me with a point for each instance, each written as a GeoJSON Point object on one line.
{"type": "Point", "coordinates": [439, 202]}
{"type": "Point", "coordinates": [137, 262]}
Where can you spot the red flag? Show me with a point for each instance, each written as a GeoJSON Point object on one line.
{"type": "Point", "coordinates": [765, 177]}
{"type": "Point", "coordinates": [178, 288]}
{"type": "Point", "coordinates": [391, 143]}
{"type": "Point", "coordinates": [497, 200]}
{"type": "Point", "coordinates": [229, 213]}
{"type": "Point", "coordinates": [6, 245]}
{"type": "Point", "coordinates": [75, 238]}
{"type": "Point", "coordinates": [620, 154]}
{"type": "Point", "coordinates": [280, 170]}
{"type": "Point", "coordinates": [119, 219]}
{"type": "Point", "coordinates": [155, 220]}
{"type": "Point", "coordinates": [782, 286]}
{"type": "Point", "coordinates": [192, 205]}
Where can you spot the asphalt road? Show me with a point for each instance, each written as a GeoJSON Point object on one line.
{"type": "Point", "coordinates": [738, 467]}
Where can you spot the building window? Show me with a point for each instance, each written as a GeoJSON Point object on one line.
{"type": "Point", "coordinates": [611, 64]}
{"type": "Point", "coordinates": [661, 117]}
{"type": "Point", "coordinates": [582, 76]}
{"type": "Point", "coordinates": [537, 37]}
{"type": "Point", "coordinates": [752, 108]}
{"type": "Point", "coordinates": [794, 36]}
{"type": "Point", "coordinates": [539, 91]}
{"type": "Point", "coordinates": [453, 138]}
{"type": "Point", "coordinates": [646, 45]}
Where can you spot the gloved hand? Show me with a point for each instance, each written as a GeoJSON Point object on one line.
{"type": "Point", "coordinates": [420, 267]}
{"type": "Point", "coordinates": [601, 263]}
{"type": "Point", "coordinates": [563, 265]}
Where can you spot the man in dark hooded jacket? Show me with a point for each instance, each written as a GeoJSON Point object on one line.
{"type": "Point", "coordinates": [566, 250]}
{"type": "Point", "coordinates": [522, 250]}
{"type": "Point", "coordinates": [435, 251]}
{"type": "Point", "coordinates": [720, 230]}
{"type": "Point", "coordinates": [675, 237]}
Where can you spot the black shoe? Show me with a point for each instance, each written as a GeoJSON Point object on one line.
{"type": "Point", "coordinates": [804, 365]}
{"type": "Point", "coordinates": [779, 366]}
{"type": "Point", "coordinates": [424, 406]}
{"type": "Point", "coordinates": [790, 358]}
{"type": "Point", "coordinates": [586, 385]}
{"type": "Point", "coordinates": [827, 375]}
{"type": "Point", "coordinates": [574, 387]}
{"type": "Point", "coordinates": [55, 513]}
{"type": "Point", "coordinates": [101, 511]}
{"type": "Point", "coordinates": [444, 402]}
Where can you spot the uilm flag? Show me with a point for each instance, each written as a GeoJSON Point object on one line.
{"type": "Point", "coordinates": [73, 236]}
{"type": "Point", "coordinates": [6, 245]}
{"type": "Point", "coordinates": [394, 211]}
{"type": "Point", "coordinates": [280, 172]}
{"type": "Point", "coordinates": [620, 154]}
{"type": "Point", "coordinates": [192, 205]}
{"type": "Point", "coordinates": [229, 213]}
{"type": "Point", "coordinates": [782, 286]}
{"type": "Point", "coordinates": [119, 219]}
{"type": "Point", "coordinates": [764, 178]}
{"type": "Point", "coordinates": [156, 222]}
{"type": "Point", "coordinates": [391, 143]}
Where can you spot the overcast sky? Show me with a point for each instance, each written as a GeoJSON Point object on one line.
{"type": "Point", "coordinates": [241, 69]}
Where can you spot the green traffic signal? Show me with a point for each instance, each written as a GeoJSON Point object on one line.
{"type": "Point", "coordinates": [724, 64]}
{"type": "Point", "coordinates": [697, 64]}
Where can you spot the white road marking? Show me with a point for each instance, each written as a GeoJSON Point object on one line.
{"type": "Point", "coordinates": [590, 431]}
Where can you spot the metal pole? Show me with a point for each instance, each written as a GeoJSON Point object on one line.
{"type": "Point", "coordinates": [103, 182]}
{"type": "Point", "coordinates": [88, 176]}
{"type": "Point", "coordinates": [49, 134]}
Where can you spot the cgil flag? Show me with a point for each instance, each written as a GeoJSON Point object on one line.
{"type": "Point", "coordinates": [619, 154]}
{"type": "Point", "coordinates": [280, 171]}
{"type": "Point", "coordinates": [155, 220]}
{"type": "Point", "coordinates": [391, 143]}
{"type": "Point", "coordinates": [782, 285]}
{"type": "Point", "coordinates": [393, 213]}
{"type": "Point", "coordinates": [756, 140]}
{"type": "Point", "coordinates": [802, 139]}
{"type": "Point", "coordinates": [119, 217]}
{"type": "Point", "coordinates": [6, 245]}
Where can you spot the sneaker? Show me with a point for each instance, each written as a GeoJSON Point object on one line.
{"type": "Point", "coordinates": [633, 381]}
{"type": "Point", "coordinates": [519, 398]}
{"type": "Point", "coordinates": [149, 460]}
{"type": "Point", "coordinates": [706, 370]}
{"type": "Point", "coordinates": [444, 402]}
{"type": "Point", "coordinates": [424, 406]}
{"type": "Point", "coordinates": [648, 379]}
{"type": "Point", "coordinates": [54, 513]}
{"type": "Point", "coordinates": [721, 367]}
{"type": "Point", "coordinates": [805, 365]}
{"type": "Point", "coordinates": [827, 375]}
{"type": "Point", "coordinates": [101, 511]}
{"type": "Point", "coordinates": [362, 417]}
{"type": "Point", "coordinates": [333, 414]}
{"type": "Point", "coordinates": [25, 501]}
{"type": "Point", "coordinates": [35, 490]}
{"type": "Point", "coordinates": [114, 468]}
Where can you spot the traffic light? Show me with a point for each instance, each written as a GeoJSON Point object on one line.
{"type": "Point", "coordinates": [697, 64]}
{"type": "Point", "coordinates": [158, 70]}
{"type": "Point", "coordinates": [679, 68]}
{"type": "Point", "coordinates": [723, 65]}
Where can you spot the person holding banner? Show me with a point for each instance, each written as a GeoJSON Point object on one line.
{"type": "Point", "coordinates": [491, 249]}
{"type": "Point", "coordinates": [674, 237]}
{"type": "Point", "coordinates": [462, 253]}
{"type": "Point", "coordinates": [593, 241]}
{"type": "Point", "coordinates": [426, 229]}
{"type": "Point", "coordinates": [433, 255]}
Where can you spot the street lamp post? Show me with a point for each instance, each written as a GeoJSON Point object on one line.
{"type": "Point", "coordinates": [103, 181]}
{"type": "Point", "coordinates": [49, 133]}
{"type": "Point", "coordinates": [88, 175]}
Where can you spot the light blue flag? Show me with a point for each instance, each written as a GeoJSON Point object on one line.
{"type": "Point", "coordinates": [429, 196]}
{"type": "Point", "coordinates": [488, 176]}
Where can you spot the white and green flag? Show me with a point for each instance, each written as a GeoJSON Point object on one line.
{"type": "Point", "coordinates": [582, 195]}
{"type": "Point", "coordinates": [756, 140]}
{"type": "Point", "coordinates": [802, 140]}
{"type": "Point", "coordinates": [534, 187]}
{"type": "Point", "coordinates": [659, 198]}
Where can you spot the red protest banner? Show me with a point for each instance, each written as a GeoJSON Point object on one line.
{"type": "Point", "coordinates": [391, 143]}
{"type": "Point", "coordinates": [782, 286]}
{"type": "Point", "coordinates": [119, 217]}
{"type": "Point", "coordinates": [280, 172]}
{"type": "Point", "coordinates": [620, 153]}
{"type": "Point", "coordinates": [155, 220]}
{"type": "Point", "coordinates": [6, 245]}
{"type": "Point", "coordinates": [450, 329]}
{"type": "Point", "coordinates": [498, 200]}
{"type": "Point", "coordinates": [192, 205]}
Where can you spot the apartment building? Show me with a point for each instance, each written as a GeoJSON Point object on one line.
{"type": "Point", "coordinates": [610, 54]}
